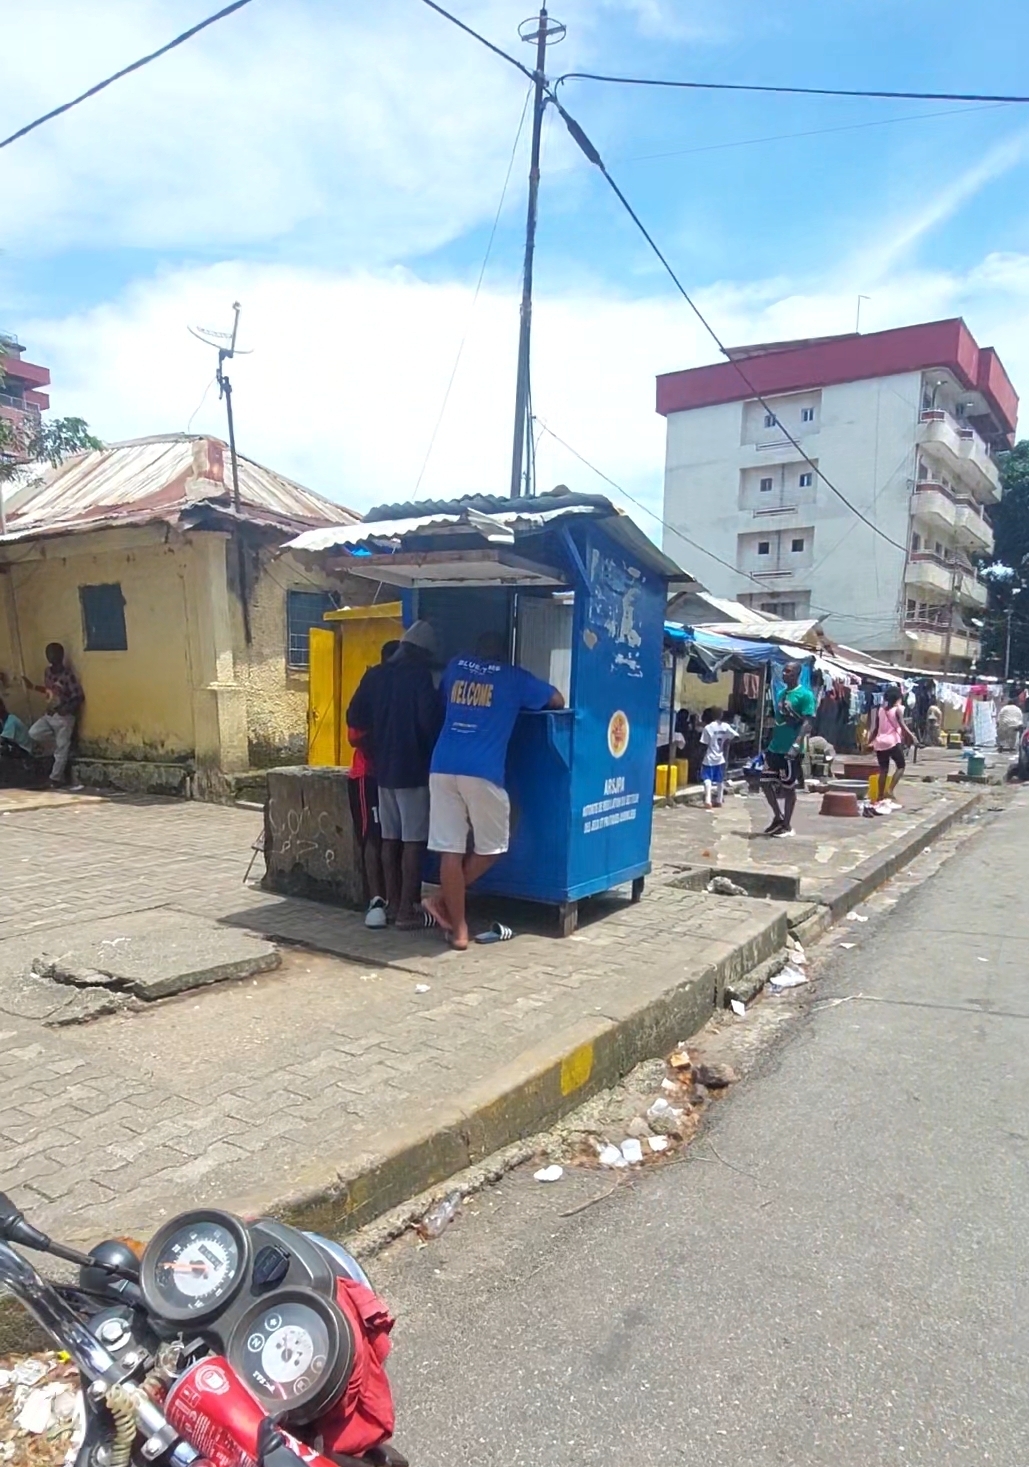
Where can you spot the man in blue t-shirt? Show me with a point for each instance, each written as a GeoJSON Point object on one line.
{"type": "Point", "coordinates": [484, 695]}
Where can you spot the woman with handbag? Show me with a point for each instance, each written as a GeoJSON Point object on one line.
{"type": "Point", "coordinates": [890, 734]}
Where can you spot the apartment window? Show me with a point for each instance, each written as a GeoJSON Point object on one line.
{"type": "Point", "coordinates": [806, 480]}
{"type": "Point", "coordinates": [103, 618]}
{"type": "Point", "coordinates": [923, 471]}
{"type": "Point", "coordinates": [916, 540]}
{"type": "Point", "coordinates": [807, 415]}
{"type": "Point", "coordinates": [304, 610]}
{"type": "Point", "coordinates": [912, 605]}
{"type": "Point", "coordinates": [939, 547]}
{"type": "Point", "coordinates": [766, 486]}
{"type": "Point", "coordinates": [784, 610]}
{"type": "Point", "coordinates": [797, 545]}
{"type": "Point", "coordinates": [762, 547]}
{"type": "Point", "coordinates": [771, 421]}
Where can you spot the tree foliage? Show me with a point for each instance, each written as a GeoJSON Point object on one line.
{"type": "Point", "coordinates": [1011, 549]}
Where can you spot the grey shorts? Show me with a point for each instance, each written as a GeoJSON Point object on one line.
{"type": "Point", "coordinates": [404, 814]}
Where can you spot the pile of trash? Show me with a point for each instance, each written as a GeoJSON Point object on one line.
{"type": "Point", "coordinates": [640, 1127]}
{"type": "Point", "coordinates": [41, 1418]}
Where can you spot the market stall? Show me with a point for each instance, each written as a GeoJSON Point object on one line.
{"type": "Point", "coordinates": [578, 593]}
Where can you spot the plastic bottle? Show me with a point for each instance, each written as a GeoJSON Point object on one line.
{"type": "Point", "coordinates": [440, 1215]}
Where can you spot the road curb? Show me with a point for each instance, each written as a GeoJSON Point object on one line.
{"type": "Point", "coordinates": [524, 1097]}
{"type": "Point", "coordinates": [847, 892]}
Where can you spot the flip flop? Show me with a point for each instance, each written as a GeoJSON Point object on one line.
{"type": "Point", "coordinates": [423, 920]}
{"type": "Point", "coordinates": [436, 910]}
{"type": "Point", "coordinates": [495, 933]}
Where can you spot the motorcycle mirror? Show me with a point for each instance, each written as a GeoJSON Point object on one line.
{"type": "Point", "coordinates": [15, 1228]}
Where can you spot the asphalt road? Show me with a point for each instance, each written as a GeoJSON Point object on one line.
{"type": "Point", "coordinates": [846, 1287]}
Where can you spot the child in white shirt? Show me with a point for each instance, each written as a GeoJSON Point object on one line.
{"type": "Point", "coordinates": [716, 737]}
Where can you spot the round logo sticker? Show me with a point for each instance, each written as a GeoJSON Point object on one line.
{"type": "Point", "coordinates": [618, 734]}
{"type": "Point", "coordinates": [210, 1378]}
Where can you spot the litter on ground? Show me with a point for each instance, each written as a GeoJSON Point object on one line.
{"type": "Point", "coordinates": [549, 1173]}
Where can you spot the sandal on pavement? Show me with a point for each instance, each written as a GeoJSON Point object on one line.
{"type": "Point", "coordinates": [422, 920]}
{"type": "Point", "coordinates": [496, 932]}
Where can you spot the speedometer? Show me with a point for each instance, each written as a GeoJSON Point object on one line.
{"type": "Point", "coordinates": [195, 1265]}
{"type": "Point", "coordinates": [294, 1352]}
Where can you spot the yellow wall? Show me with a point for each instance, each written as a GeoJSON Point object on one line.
{"type": "Point", "coordinates": [188, 686]}
{"type": "Point", "coordinates": [276, 695]}
{"type": "Point", "coordinates": [139, 703]}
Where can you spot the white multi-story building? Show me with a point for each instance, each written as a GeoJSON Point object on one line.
{"type": "Point", "coordinates": [905, 424]}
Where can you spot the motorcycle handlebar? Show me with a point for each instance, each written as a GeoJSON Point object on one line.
{"type": "Point", "coordinates": [93, 1362]}
{"type": "Point", "coordinates": [49, 1310]}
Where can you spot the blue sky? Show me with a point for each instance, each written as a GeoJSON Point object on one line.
{"type": "Point", "coordinates": [337, 168]}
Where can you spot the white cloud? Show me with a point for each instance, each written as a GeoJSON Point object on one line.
{"type": "Point", "coordinates": [348, 370]}
{"type": "Point", "coordinates": [353, 134]}
{"type": "Point", "coordinates": [876, 260]}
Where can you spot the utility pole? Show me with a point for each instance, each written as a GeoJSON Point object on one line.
{"type": "Point", "coordinates": [546, 32]}
{"type": "Point", "coordinates": [225, 354]}
{"type": "Point", "coordinates": [1008, 614]}
{"type": "Point", "coordinates": [955, 581]}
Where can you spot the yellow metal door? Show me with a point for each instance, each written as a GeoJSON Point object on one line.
{"type": "Point", "coordinates": [363, 633]}
{"type": "Point", "coordinates": [323, 702]}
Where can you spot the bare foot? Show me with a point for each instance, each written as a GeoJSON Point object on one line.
{"type": "Point", "coordinates": [458, 938]}
{"type": "Point", "coordinates": [435, 905]}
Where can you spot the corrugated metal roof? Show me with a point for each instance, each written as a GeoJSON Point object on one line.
{"type": "Point", "coordinates": [766, 628]}
{"type": "Point", "coordinates": [486, 517]}
{"type": "Point", "coordinates": [493, 526]}
{"type": "Point", "coordinates": [160, 478]}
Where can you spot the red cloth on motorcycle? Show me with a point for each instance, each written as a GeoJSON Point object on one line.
{"type": "Point", "coordinates": [363, 1417]}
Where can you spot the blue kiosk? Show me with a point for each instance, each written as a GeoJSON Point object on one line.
{"type": "Point", "coordinates": [579, 593]}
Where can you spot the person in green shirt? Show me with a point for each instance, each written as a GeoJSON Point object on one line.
{"type": "Point", "coordinates": [794, 713]}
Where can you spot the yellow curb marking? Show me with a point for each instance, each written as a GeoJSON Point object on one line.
{"type": "Point", "coordinates": [576, 1068]}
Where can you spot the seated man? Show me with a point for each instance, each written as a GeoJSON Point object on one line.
{"type": "Point", "coordinates": [14, 736]}
{"type": "Point", "coordinates": [484, 695]}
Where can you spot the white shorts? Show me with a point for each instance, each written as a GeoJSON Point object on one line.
{"type": "Point", "coordinates": [460, 804]}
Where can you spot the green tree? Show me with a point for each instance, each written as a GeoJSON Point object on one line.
{"type": "Point", "coordinates": [1008, 573]}
{"type": "Point", "coordinates": [30, 440]}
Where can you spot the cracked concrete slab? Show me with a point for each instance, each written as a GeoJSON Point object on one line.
{"type": "Point", "coordinates": [81, 971]}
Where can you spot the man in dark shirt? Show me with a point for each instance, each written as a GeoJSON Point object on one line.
{"type": "Point", "coordinates": [402, 713]}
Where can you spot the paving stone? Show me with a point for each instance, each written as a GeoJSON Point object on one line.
{"type": "Point", "coordinates": [206, 1097]}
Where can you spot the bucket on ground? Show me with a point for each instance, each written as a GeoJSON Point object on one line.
{"type": "Point", "coordinates": [667, 779]}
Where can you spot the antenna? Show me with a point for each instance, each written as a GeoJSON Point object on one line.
{"type": "Point", "coordinates": [225, 354]}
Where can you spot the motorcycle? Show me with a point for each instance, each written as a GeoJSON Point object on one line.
{"type": "Point", "coordinates": [222, 1343]}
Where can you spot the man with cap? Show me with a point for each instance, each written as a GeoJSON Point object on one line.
{"type": "Point", "coordinates": [403, 717]}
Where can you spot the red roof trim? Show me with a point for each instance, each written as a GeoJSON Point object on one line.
{"type": "Point", "coordinates": [849, 359]}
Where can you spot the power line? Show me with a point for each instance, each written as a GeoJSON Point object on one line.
{"type": "Point", "coordinates": [885, 618]}
{"type": "Point", "coordinates": [125, 71]}
{"type": "Point", "coordinates": [644, 81]}
{"type": "Point", "coordinates": [512, 60]}
{"type": "Point", "coordinates": [811, 132]}
{"type": "Point", "coordinates": [694, 544]}
{"type": "Point", "coordinates": [475, 297]}
{"type": "Point", "coordinates": [583, 142]}
{"type": "Point", "coordinates": [591, 153]}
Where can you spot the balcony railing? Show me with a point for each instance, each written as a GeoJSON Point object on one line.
{"type": "Point", "coordinates": [8, 400]}
{"type": "Point", "coordinates": [963, 446]}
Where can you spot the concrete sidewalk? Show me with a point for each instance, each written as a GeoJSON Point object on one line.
{"type": "Point", "coordinates": [338, 1085]}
